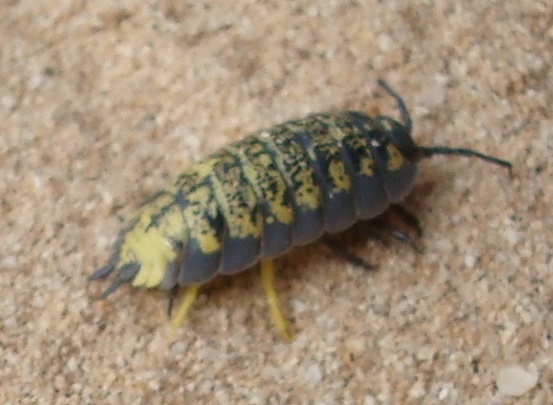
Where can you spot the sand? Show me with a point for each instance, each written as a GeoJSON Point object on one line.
{"type": "Point", "coordinates": [102, 103]}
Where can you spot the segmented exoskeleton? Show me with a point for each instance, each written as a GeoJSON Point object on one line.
{"type": "Point", "coordinates": [279, 188]}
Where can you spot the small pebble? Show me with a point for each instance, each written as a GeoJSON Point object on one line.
{"type": "Point", "coordinates": [515, 381]}
{"type": "Point", "coordinates": [313, 375]}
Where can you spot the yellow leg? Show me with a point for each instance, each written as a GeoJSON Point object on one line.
{"type": "Point", "coordinates": [189, 298]}
{"type": "Point", "coordinates": [267, 278]}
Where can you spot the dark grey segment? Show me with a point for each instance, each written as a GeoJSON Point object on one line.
{"type": "Point", "coordinates": [193, 265]}
{"type": "Point", "coordinates": [171, 276]}
{"type": "Point", "coordinates": [399, 182]}
{"type": "Point", "coordinates": [396, 183]}
{"type": "Point", "coordinates": [308, 226]}
{"type": "Point", "coordinates": [238, 254]}
{"type": "Point", "coordinates": [277, 239]}
{"type": "Point", "coordinates": [338, 210]}
{"type": "Point", "coordinates": [360, 119]}
{"type": "Point", "coordinates": [197, 267]}
{"type": "Point", "coordinates": [370, 196]}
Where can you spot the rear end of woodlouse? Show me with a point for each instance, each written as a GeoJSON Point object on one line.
{"type": "Point", "coordinates": [277, 189]}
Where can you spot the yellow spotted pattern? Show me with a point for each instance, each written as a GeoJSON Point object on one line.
{"type": "Point", "coordinates": [395, 158]}
{"type": "Point", "coordinates": [149, 241]}
{"type": "Point", "coordinates": [274, 167]}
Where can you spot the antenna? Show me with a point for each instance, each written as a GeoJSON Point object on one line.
{"type": "Point", "coordinates": [405, 116]}
{"type": "Point", "coordinates": [428, 151]}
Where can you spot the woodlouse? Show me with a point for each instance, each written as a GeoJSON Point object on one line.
{"type": "Point", "coordinates": [279, 188]}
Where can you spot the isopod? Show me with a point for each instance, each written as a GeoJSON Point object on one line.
{"type": "Point", "coordinates": [258, 198]}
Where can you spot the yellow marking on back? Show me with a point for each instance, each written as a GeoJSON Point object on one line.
{"type": "Point", "coordinates": [265, 179]}
{"type": "Point", "coordinates": [236, 198]}
{"type": "Point", "coordinates": [338, 175]}
{"type": "Point", "coordinates": [308, 193]}
{"type": "Point", "coordinates": [276, 201]}
{"type": "Point", "coordinates": [366, 166]}
{"type": "Point", "coordinates": [327, 139]}
{"type": "Point", "coordinates": [395, 158]}
{"type": "Point", "coordinates": [241, 225]}
{"type": "Point", "coordinates": [201, 230]}
{"type": "Point", "coordinates": [150, 245]}
{"type": "Point", "coordinates": [336, 132]}
{"type": "Point", "coordinates": [305, 192]}
{"type": "Point", "coordinates": [204, 168]}
{"type": "Point", "coordinates": [360, 150]}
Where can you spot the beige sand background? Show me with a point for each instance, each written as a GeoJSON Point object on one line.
{"type": "Point", "coordinates": [101, 103]}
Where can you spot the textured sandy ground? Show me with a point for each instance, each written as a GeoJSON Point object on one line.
{"type": "Point", "coordinates": [101, 103]}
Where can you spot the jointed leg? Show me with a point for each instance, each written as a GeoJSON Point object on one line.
{"type": "Point", "coordinates": [406, 239]}
{"type": "Point", "coordinates": [347, 255]}
{"type": "Point", "coordinates": [379, 231]}
{"type": "Point", "coordinates": [408, 217]}
{"type": "Point", "coordinates": [189, 298]}
{"type": "Point", "coordinates": [267, 279]}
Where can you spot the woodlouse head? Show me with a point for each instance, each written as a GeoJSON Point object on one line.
{"type": "Point", "coordinates": [400, 135]}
